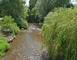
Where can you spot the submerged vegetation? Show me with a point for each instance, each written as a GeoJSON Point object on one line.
{"type": "Point", "coordinates": [60, 33]}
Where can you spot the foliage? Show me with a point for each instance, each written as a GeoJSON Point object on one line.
{"type": "Point", "coordinates": [32, 12]}
{"type": "Point", "coordinates": [21, 23]}
{"type": "Point", "coordinates": [32, 4]}
{"type": "Point", "coordinates": [4, 46]}
{"type": "Point", "coordinates": [15, 8]}
{"type": "Point", "coordinates": [22, 28]}
{"type": "Point", "coordinates": [60, 3]}
{"type": "Point", "coordinates": [1, 8]}
{"type": "Point", "coordinates": [8, 24]}
{"type": "Point", "coordinates": [45, 6]}
{"type": "Point", "coordinates": [60, 34]}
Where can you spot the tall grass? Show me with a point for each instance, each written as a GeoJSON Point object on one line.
{"type": "Point", "coordinates": [60, 34]}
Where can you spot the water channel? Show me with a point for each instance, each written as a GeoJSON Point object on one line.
{"type": "Point", "coordinates": [27, 45]}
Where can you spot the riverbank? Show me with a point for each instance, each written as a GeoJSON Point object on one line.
{"type": "Point", "coordinates": [26, 45]}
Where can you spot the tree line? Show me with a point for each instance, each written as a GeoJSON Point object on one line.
{"type": "Point", "coordinates": [38, 9]}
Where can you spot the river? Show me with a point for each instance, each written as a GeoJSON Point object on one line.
{"type": "Point", "coordinates": [27, 45]}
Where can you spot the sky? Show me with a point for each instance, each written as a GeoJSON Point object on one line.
{"type": "Point", "coordinates": [74, 1]}
{"type": "Point", "coordinates": [27, 2]}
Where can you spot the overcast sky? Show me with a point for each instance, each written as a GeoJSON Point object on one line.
{"type": "Point", "coordinates": [73, 1]}
{"type": "Point", "coordinates": [27, 2]}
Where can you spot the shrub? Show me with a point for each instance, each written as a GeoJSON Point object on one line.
{"type": "Point", "coordinates": [8, 24]}
{"type": "Point", "coordinates": [21, 23]}
{"type": "Point", "coordinates": [60, 34]}
{"type": "Point", "coordinates": [4, 46]}
{"type": "Point", "coordinates": [12, 27]}
{"type": "Point", "coordinates": [22, 28]}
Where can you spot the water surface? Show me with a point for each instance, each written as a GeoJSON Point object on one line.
{"type": "Point", "coordinates": [26, 46]}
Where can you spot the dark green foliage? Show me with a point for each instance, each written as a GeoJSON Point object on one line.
{"type": "Point", "coordinates": [60, 3]}
{"type": "Point", "coordinates": [32, 4]}
{"type": "Point", "coordinates": [15, 8]}
{"type": "Point", "coordinates": [70, 5]}
{"type": "Point", "coordinates": [21, 23]}
{"type": "Point", "coordinates": [1, 9]}
{"type": "Point", "coordinates": [4, 46]}
{"type": "Point", "coordinates": [60, 34]}
{"type": "Point", "coordinates": [32, 12]}
{"type": "Point", "coordinates": [45, 6]}
{"type": "Point", "coordinates": [8, 24]}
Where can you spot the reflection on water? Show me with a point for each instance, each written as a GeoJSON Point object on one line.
{"type": "Point", "coordinates": [26, 46]}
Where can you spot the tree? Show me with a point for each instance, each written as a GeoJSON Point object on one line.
{"type": "Point", "coordinates": [1, 8]}
{"type": "Point", "coordinates": [15, 8]}
{"type": "Point", "coordinates": [60, 3]}
{"type": "Point", "coordinates": [45, 6]}
{"type": "Point", "coordinates": [32, 4]}
{"type": "Point", "coordinates": [32, 12]}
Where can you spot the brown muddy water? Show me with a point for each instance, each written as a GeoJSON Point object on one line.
{"type": "Point", "coordinates": [27, 45]}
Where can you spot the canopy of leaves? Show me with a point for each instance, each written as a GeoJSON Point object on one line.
{"type": "Point", "coordinates": [32, 14]}
{"type": "Point", "coordinates": [45, 6]}
{"type": "Point", "coordinates": [15, 8]}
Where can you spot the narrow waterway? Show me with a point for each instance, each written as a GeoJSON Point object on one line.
{"type": "Point", "coordinates": [27, 45]}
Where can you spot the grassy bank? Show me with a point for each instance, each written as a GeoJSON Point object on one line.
{"type": "Point", "coordinates": [8, 27]}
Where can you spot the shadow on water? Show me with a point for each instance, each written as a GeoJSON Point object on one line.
{"type": "Point", "coordinates": [27, 45]}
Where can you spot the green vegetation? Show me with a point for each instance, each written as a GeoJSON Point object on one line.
{"type": "Point", "coordinates": [16, 9]}
{"type": "Point", "coordinates": [32, 13]}
{"type": "Point", "coordinates": [4, 46]}
{"type": "Point", "coordinates": [59, 28]}
{"type": "Point", "coordinates": [60, 34]}
{"type": "Point", "coordinates": [43, 7]}
{"type": "Point", "coordinates": [38, 9]}
{"type": "Point", "coordinates": [9, 24]}
{"type": "Point", "coordinates": [21, 23]}
{"type": "Point", "coordinates": [14, 13]}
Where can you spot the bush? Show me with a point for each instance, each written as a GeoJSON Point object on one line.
{"type": "Point", "coordinates": [22, 28]}
{"type": "Point", "coordinates": [8, 24]}
{"type": "Point", "coordinates": [60, 34]}
{"type": "Point", "coordinates": [4, 46]}
{"type": "Point", "coordinates": [21, 23]}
